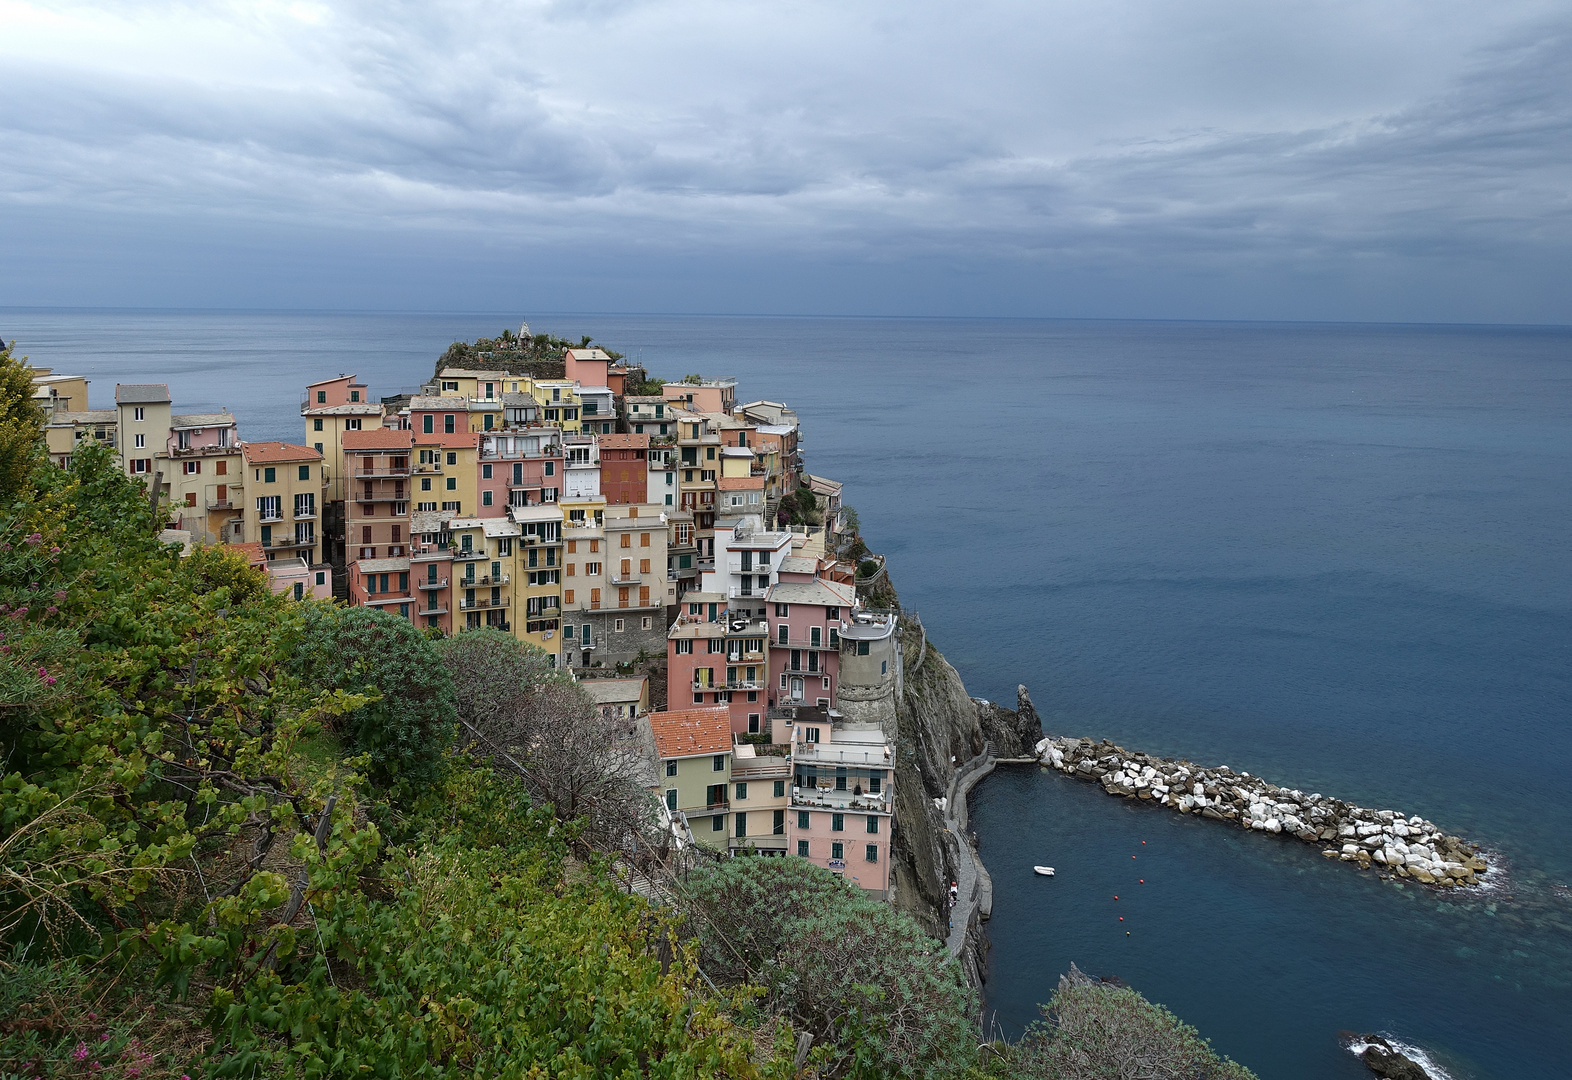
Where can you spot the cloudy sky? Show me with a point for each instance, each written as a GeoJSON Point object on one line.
{"type": "Point", "coordinates": [1316, 159]}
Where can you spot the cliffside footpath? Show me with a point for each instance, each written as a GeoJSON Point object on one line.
{"type": "Point", "coordinates": [945, 740]}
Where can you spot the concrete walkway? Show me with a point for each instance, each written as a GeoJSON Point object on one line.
{"type": "Point", "coordinates": [976, 888]}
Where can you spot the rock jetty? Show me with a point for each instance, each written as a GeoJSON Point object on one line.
{"type": "Point", "coordinates": [1408, 847]}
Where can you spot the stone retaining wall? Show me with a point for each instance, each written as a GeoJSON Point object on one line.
{"type": "Point", "coordinates": [1407, 847]}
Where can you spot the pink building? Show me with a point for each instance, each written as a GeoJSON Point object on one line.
{"type": "Point", "coordinates": [719, 657]}
{"type": "Point", "coordinates": [805, 621]}
{"type": "Point", "coordinates": [842, 802]}
{"type": "Point", "coordinates": [520, 467]}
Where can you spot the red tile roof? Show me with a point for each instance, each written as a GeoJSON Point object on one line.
{"type": "Point", "coordinates": [740, 483]}
{"type": "Point", "coordinates": [252, 551]}
{"type": "Point", "coordinates": [691, 732]}
{"type": "Point", "coordinates": [381, 439]}
{"type": "Point", "coordinates": [624, 442]}
{"type": "Point", "coordinates": [261, 453]}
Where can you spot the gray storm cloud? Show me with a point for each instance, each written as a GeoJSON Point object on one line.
{"type": "Point", "coordinates": [1058, 140]}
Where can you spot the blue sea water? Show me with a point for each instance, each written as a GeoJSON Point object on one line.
{"type": "Point", "coordinates": [1333, 556]}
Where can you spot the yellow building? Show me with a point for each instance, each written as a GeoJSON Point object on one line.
{"type": "Point", "coordinates": [58, 393]}
{"type": "Point", "coordinates": [485, 556]}
{"type": "Point", "coordinates": [540, 570]}
{"type": "Point", "coordinates": [283, 486]}
{"type": "Point", "coordinates": [694, 750]}
{"type": "Point", "coordinates": [330, 408]}
{"type": "Point", "coordinates": [446, 471]}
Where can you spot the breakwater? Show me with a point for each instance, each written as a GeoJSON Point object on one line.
{"type": "Point", "coordinates": [1406, 847]}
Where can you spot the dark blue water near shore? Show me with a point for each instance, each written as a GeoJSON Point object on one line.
{"type": "Point", "coordinates": [1334, 556]}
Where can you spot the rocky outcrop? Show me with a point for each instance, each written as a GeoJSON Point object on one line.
{"type": "Point", "coordinates": [1383, 1058]}
{"type": "Point", "coordinates": [1406, 847]}
{"type": "Point", "coordinates": [1011, 733]}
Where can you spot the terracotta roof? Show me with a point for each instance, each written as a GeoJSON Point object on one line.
{"type": "Point", "coordinates": [252, 551]}
{"type": "Point", "coordinates": [624, 442]}
{"type": "Point", "coordinates": [260, 453]}
{"type": "Point", "coordinates": [692, 732]}
{"type": "Point", "coordinates": [141, 394]}
{"type": "Point", "coordinates": [739, 483]}
{"type": "Point", "coordinates": [381, 439]}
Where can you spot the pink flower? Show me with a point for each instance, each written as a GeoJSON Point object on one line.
{"type": "Point", "coordinates": [60, 595]}
{"type": "Point", "coordinates": [36, 538]}
{"type": "Point", "coordinates": [80, 1053]}
{"type": "Point", "coordinates": [51, 610]}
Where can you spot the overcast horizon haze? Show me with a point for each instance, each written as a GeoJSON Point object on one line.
{"type": "Point", "coordinates": [1317, 161]}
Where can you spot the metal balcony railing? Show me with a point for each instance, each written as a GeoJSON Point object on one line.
{"type": "Point", "coordinates": [483, 602]}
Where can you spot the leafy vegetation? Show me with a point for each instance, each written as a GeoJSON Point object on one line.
{"type": "Point", "coordinates": [20, 419]}
{"type": "Point", "coordinates": [881, 997]}
{"type": "Point", "coordinates": [510, 351]}
{"type": "Point", "coordinates": [1093, 1030]}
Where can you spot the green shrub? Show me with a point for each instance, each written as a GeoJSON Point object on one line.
{"type": "Point", "coordinates": [881, 997]}
{"type": "Point", "coordinates": [409, 725]}
{"type": "Point", "coordinates": [1094, 1030]}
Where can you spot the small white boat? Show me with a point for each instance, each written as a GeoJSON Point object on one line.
{"type": "Point", "coordinates": [1045, 871]}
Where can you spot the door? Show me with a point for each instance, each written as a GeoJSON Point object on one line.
{"type": "Point", "coordinates": [796, 688]}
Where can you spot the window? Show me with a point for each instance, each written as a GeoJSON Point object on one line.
{"type": "Point", "coordinates": [671, 768]}
{"type": "Point", "coordinates": [138, 413]}
{"type": "Point", "coordinates": [718, 763]}
{"type": "Point", "coordinates": [684, 646]}
{"type": "Point", "coordinates": [321, 400]}
{"type": "Point", "coordinates": [354, 395]}
{"type": "Point", "coordinates": [742, 825]}
{"type": "Point", "coordinates": [780, 789]}
{"type": "Point", "coordinates": [838, 821]}
{"type": "Point", "coordinates": [742, 792]}
{"type": "Point", "coordinates": [872, 853]}
{"type": "Point", "coordinates": [317, 447]}
{"type": "Point", "coordinates": [781, 611]}
{"type": "Point", "coordinates": [873, 824]}
{"type": "Point", "coordinates": [862, 648]}
{"type": "Point", "coordinates": [352, 425]}
{"type": "Point", "coordinates": [425, 483]}
{"type": "Point", "coordinates": [802, 848]}
{"type": "Point", "coordinates": [884, 668]}
{"type": "Point", "coordinates": [140, 441]}
{"type": "Point", "coordinates": [269, 475]}
{"type": "Point", "coordinates": [644, 623]}
{"type": "Point", "coordinates": [810, 734]}
{"type": "Point", "coordinates": [551, 468]}
{"type": "Point", "coordinates": [321, 577]}
{"type": "Point", "coordinates": [671, 798]}
{"type": "Point", "coordinates": [452, 483]}
{"type": "Point", "coordinates": [718, 823]}
{"type": "Point", "coordinates": [305, 472]}
{"type": "Point", "coordinates": [485, 498]}
{"type": "Point", "coordinates": [221, 468]}
{"type": "Point", "coordinates": [425, 424]}
{"type": "Point", "coordinates": [802, 819]}
{"type": "Point", "coordinates": [485, 472]}
{"type": "Point", "coordinates": [838, 851]}
{"type": "Point", "coordinates": [617, 626]}
{"type": "Point", "coordinates": [627, 540]}
{"type": "Point", "coordinates": [447, 424]}
{"type": "Point", "coordinates": [779, 824]}
{"type": "Point", "coordinates": [192, 467]}
{"type": "Point", "coordinates": [874, 784]}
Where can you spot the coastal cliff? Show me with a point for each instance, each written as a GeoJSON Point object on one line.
{"type": "Point", "coordinates": [942, 734]}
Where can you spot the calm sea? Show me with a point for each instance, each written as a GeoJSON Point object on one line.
{"type": "Point", "coordinates": [1333, 556]}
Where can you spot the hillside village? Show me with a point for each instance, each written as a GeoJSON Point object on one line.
{"type": "Point", "coordinates": [667, 547]}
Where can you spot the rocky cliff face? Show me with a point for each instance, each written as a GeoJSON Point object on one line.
{"type": "Point", "coordinates": [939, 728]}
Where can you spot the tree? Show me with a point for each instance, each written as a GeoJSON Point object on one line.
{"type": "Point", "coordinates": [21, 424]}
{"type": "Point", "coordinates": [407, 722]}
{"type": "Point", "coordinates": [493, 673]}
{"type": "Point", "coordinates": [1092, 1030]}
{"type": "Point", "coordinates": [879, 995]}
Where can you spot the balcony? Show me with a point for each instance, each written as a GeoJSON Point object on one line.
{"type": "Point", "coordinates": [374, 473]}
{"type": "Point", "coordinates": [467, 555]}
{"type": "Point", "coordinates": [472, 582]}
{"type": "Point", "coordinates": [484, 602]}
{"type": "Point", "coordinates": [392, 596]}
{"type": "Point", "coordinates": [429, 583]}
{"type": "Point", "coordinates": [310, 515]}
{"type": "Point", "coordinates": [431, 611]}
{"type": "Point", "coordinates": [626, 579]}
{"type": "Point", "coordinates": [428, 552]}
{"type": "Point", "coordinates": [396, 495]}
{"type": "Point", "coordinates": [280, 545]}
{"type": "Point", "coordinates": [799, 643]}
{"type": "Point", "coordinates": [270, 517]}
{"type": "Point", "coordinates": [220, 504]}
{"type": "Point", "coordinates": [202, 451]}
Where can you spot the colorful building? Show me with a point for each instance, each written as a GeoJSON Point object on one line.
{"type": "Point", "coordinates": [694, 750]}
{"type": "Point", "coordinates": [842, 802]}
{"type": "Point", "coordinates": [283, 484]}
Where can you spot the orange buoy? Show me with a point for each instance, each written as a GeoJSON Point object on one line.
{"type": "Point", "coordinates": [1143, 841]}
{"type": "Point", "coordinates": [1116, 898]}
{"type": "Point", "coordinates": [1143, 881]}
{"type": "Point", "coordinates": [1121, 918]}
